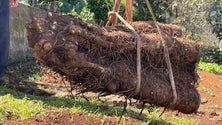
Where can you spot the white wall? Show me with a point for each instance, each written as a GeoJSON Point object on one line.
{"type": "Point", "coordinates": [20, 17]}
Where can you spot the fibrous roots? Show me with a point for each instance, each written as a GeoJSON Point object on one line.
{"type": "Point", "coordinates": [103, 59]}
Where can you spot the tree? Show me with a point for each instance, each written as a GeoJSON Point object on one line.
{"type": "Point", "coordinates": [190, 14]}
{"type": "Point", "coordinates": [76, 8]}
{"type": "Point", "coordinates": [215, 18]}
{"type": "Point", "coordinates": [141, 11]}
{"type": "Point", "coordinates": [100, 8]}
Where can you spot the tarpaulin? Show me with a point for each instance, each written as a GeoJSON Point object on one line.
{"type": "Point", "coordinates": [4, 34]}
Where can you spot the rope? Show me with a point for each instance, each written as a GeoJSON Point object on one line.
{"type": "Point", "coordinates": [138, 50]}
{"type": "Point", "coordinates": [111, 16]}
{"type": "Point", "coordinates": [166, 54]}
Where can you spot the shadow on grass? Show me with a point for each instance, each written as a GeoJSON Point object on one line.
{"type": "Point", "coordinates": [78, 104]}
{"type": "Point", "coordinates": [29, 91]}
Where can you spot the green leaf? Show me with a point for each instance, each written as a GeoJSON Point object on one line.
{"type": "Point", "coordinates": [79, 6]}
{"type": "Point", "coordinates": [213, 13]}
{"type": "Point", "coordinates": [66, 7]}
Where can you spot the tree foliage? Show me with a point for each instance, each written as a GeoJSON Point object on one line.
{"type": "Point", "coordinates": [76, 8]}
{"type": "Point", "coordinates": [66, 6]}
{"type": "Point", "coordinates": [190, 14]}
{"type": "Point", "coordinates": [141, 11]}
{"type": "Point", "coordinates": [193, 15]}
{"type": "Point", "coordinates": [100, 8]}
{"type": "Point", "coordinates": [215, 18]}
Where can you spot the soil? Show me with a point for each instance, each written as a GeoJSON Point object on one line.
{"type": "Point", "coordinates": [209, 113]}
{"type": "Point", "coordinates": [53, 117]}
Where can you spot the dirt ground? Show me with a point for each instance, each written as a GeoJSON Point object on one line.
{"type": "Point", "coordinates": [209, 113]}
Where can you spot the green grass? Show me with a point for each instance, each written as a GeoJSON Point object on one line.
{"type": "Point", "coordinates": [21, 105]}
{"type": "Point", "coordinates": [210, 67]}
{"type": "Point", "coordinates": [24, 106]}
{"type": "Point", "coordinates": [182, 121]}
{"type": "Point", "coordinates": [19, 70]}
{"type": "Point", "coordinates": [18, 106]}
{"type": "Point", "coordinates": [154, 118]}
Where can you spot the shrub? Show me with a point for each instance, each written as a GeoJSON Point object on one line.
{"type": "Point", "coordinates": [211, 55]}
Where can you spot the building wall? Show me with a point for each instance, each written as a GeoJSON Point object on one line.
{"type": "Point", "coordinates": [20, 17]}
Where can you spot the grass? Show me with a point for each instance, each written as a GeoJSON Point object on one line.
{"type": "Point", "coordinates": [23, 106]}
{"type": "Point", "coordinates": [211, 93]}
{"type": "Point", "coordinates": [210, 67]}
{"type": "Point", "coordinates": [154, 118]}
{"type": "Point", "coordinates": [203, 100]}
{"type": "Point", "coordinates": [17, 104]}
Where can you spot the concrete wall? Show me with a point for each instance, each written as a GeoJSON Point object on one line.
{"type": "Point", "coordinates": [20, 17]}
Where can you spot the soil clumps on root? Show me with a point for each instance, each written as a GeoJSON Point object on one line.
{"type": "Point", "coordinates": [103, 59]}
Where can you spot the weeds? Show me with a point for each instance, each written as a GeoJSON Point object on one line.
{"type": "Point", "coordinates": [203, 100]}
{"type": "Point", "coordinates": [19, 107]}
{"type": "Point", "coordinates": [211, 93]}
{"type": "Point", "coordinates": [210, 67]}
{"type": "Point", "coordinates": [20, 70]}
{"type": "Point", "coordinates": [35, 76]}
{"type": "Point", "coordinates": [153, 118]}
{"type": "Point", "coordinates": [103, 120]}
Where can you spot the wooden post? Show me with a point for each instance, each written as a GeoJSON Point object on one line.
{"type": "Point", "coordinates": [128, 15]}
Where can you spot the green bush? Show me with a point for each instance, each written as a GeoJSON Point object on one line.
{"type": "Point", "coordinates": [211, 55]}
{"type": "Point", "coordinates": [97, 10]}
{"type": "Point", "coordinates": [77, 8]}
{"type": "Point", "coordinates": [215, 18]}
{"type": "Point", "coordinates": [140, 11]}
{"type": "Point", "coordinates": [100, 8]}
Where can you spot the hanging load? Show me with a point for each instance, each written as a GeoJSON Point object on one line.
{"type": "Point", "coordinates": [103, 59]}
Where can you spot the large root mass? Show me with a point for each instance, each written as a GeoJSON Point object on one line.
{"type": "Point", "coordinates": [103, 59]}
